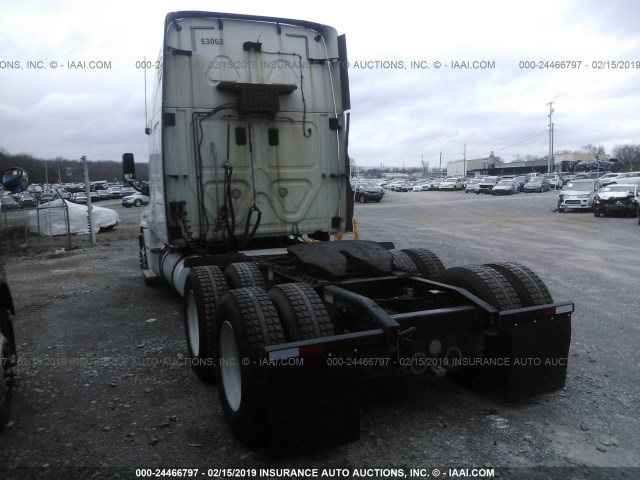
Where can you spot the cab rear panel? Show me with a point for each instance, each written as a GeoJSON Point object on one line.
{"type": "Point", "coordinates": [250, 119]}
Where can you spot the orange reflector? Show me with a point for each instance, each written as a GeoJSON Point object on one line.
{"type": "Point", "coordinates": [311, 349]}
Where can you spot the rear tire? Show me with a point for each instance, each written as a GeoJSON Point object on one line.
{"type": "Point", "coordinates": [244, 274]}
{"type": "Point", "coordinates": [427, 262]}
{"type": "Point", "coordinates": [247, 322]}
{"type": "Point", "coordinates": [203, 289]}
{"type": "Point", "coordinates": [301, 311]}
{"type": "Point", "coordinates": [485, 283]}
{"type": "Point", "coordinates": [402, 262]}
{"type": "Point", "coordinates": [530, 288]}
{"type": "Point", "coordinates": [492, 287]}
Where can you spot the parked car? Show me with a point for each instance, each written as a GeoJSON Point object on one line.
{"type": "Point", "coordinates": [529, 176]}
{"type": "Point", "coordinates": [8, 358]}
{"type": "Point", "coordinates": [363, 192]}
{"type": "Point", "coordinates": [7, 202]}
{"type": "Point", "coordinates": [521, 179]}
{"type": "Point", "coordinates": [389, 185]}
{"type": "Point", "coordinates": [617, 198]}
{"type": "Point", "coordinates": [628, 175]}
{"type": "Point", "coordinates": [607, 178]}
{"type": "Point", "coordinates": [627, 181]}
{"type": "Point", "coordinates": [472, 184]}
{"type": "Point", "coordinates": [26, 200]}
{"type": "Point", "coordinates": [578, 194]}
{"type": "Point", "coordinates": [103, 195]}
{"type": "Point", "coordinates": [115, 192]}
{"type": "Point", "coordinates": [506, 187]}
{"type": "Point", "coordinates": [487, 184]}
{"type": "Point", "coordinates": [47, 196]}
{"type": "Point", "coordinates": [555, 181]}
{"type": "Point", "coordinates": [397, 186]}
{"type": "Point", "coordinates": [537, 184]}
{"type": "Point", "coordinates": [79, 197]}
{"type": "Point", "coordinates": [451, 183]}
{"type": "Point", "coordinates": [434, 184]}
{"type": "Point", "coordinates": [589, 175]}
{"type": "Point", "coordinates": [137, 200]}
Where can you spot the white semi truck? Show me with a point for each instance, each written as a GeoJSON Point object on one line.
{"type": "Point", "coordinates": [249, 184]}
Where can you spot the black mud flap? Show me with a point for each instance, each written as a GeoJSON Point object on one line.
{"type": "Point", "coordinates": [539, 357]}
{"type": "Point", "coordinates": [312, 408]}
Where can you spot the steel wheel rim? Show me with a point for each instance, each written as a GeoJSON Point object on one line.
{"type": "Point", "coordinates": [192, 323]}
{"type": "Point", "coordinates": [230, 366]}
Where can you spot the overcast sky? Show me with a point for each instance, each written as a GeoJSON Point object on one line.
{"type": "Point", "coordinates": [399, 115]}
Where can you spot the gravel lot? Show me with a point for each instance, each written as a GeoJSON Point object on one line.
{"type": "Point", "coordinates": [104, 389]}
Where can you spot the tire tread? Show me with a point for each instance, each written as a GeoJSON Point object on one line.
{"type": "Point", "coordinates": [427, 262]}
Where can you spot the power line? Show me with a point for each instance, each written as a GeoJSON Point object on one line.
{"type": "Point", "coordinates": [543, 132]}
{"type": "Point", "coordinates": [499, 149]}
{"type": "Point", "coordinates": [589, 129]}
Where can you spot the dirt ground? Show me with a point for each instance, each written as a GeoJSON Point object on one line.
{"type": "Point", "coordinates": [104, 387]}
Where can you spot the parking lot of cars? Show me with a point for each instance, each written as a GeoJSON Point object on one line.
{"type": "Point", "coordinates": [76, 193]}
{"type": "Point", "coordinates": [599, 192]}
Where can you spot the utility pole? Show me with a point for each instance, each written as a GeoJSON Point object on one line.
{"type": "Point", "coordinates": [550, 160]}
{"type": "Point", "coordinates": [464, 167]}
{"type": "Point", "coordinates": [87, 189]}
{"type": "Point", "coordinates": [440, 167]}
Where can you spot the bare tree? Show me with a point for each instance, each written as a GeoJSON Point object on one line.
{"type": "Point", "coordinates": [593, 150]}
{"type": "Point", "coordinates": [629, 155]}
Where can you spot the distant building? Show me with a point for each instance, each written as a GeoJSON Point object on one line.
{"type": "Point", "coordinates": [460, 167]}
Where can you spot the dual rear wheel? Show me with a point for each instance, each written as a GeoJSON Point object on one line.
{"type": "Point", "coordinates": [507, 286]}
{"type": "Point", "coordinates": [229, 320]}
